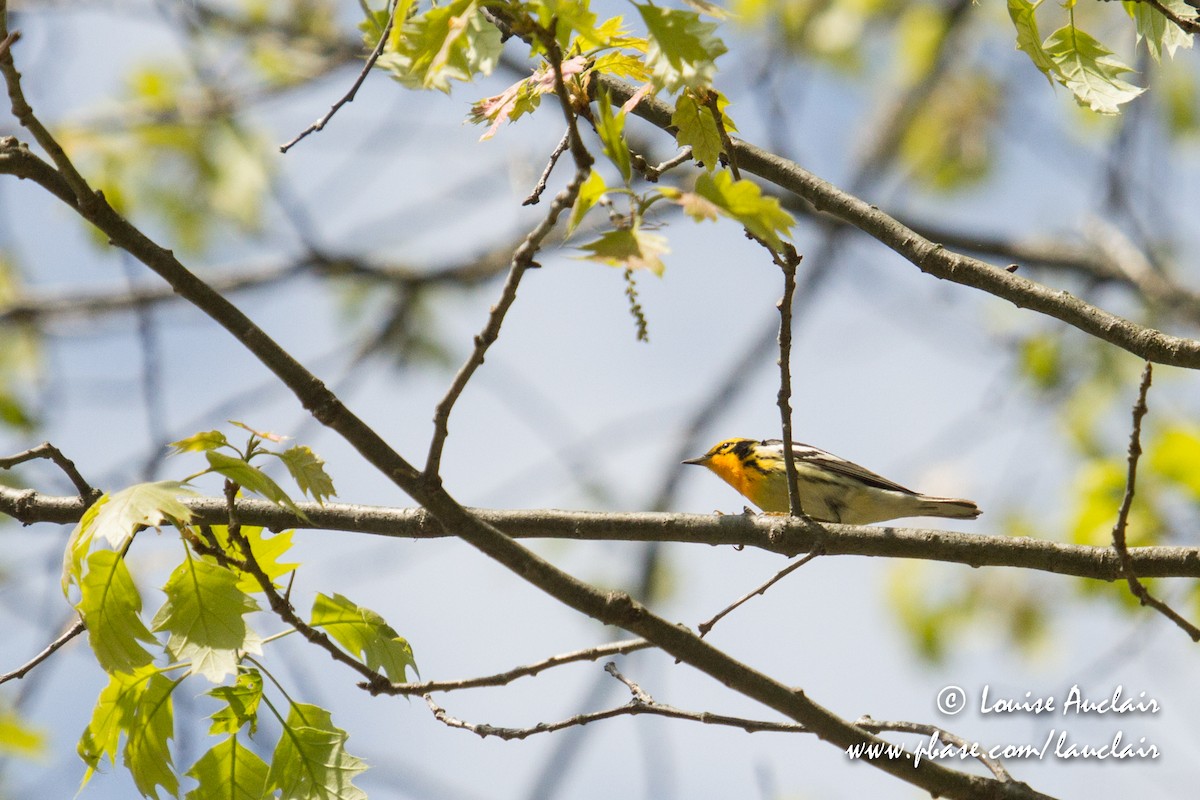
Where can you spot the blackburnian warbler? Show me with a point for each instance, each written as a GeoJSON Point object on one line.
{"type": "Point", "coordinates": [831, 489]}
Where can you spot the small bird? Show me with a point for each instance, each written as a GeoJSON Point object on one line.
{"type": "Point", "coordinates": [832, 489]}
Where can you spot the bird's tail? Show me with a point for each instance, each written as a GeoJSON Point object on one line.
{"type": "Point", "coordinates": [949, 507]}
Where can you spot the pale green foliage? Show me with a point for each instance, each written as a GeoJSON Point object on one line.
{"type": "Point", "coordinates": [311, 761]}
{"type": "Point", "coordinates": [229, 771]}
{"type": "Point", "coordinates": [610, 128]}
{"type": "Point", "coordinates": [308, 471]}
{"type": "Point", "coordinates": [590, 193]}
{"type": "Point", "coordinates": [267, 550]}
{"type": "Point", "coordinates": [1074, 59]}
{"type": "Point", "coordinates": [740, 200]}
{"type": "Point", "coordinates": [364, 633]}
{"type": "Point", "coordinates": [208, 635]}
{"type": "Point", "coordinates": [111, 608]}
{"type": "Point", "coordinates": [1158, 32]}
{"type": "Point", "coordinates": [629, 248]}
{"type": "Point", "coordinates": [241, 704]}
{"type": "Point", "coordinates": [138, 706]}
{"type": "Point", "coordinates": [698, 129]}
{"type": "Point", "coordinates": [445, 43]}
{"type": "Point", "coordinates": [682, 48]}
{"type": "Point", "coordinates": [204, 614]}
{"type": "Point", "coordinates": [1090, 70]}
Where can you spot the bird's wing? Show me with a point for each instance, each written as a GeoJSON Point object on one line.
{"type": "Point", "coordinates": [836, 464]}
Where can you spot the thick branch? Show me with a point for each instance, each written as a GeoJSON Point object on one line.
{"type": "Point", "coordinates": [775, 534]}
{"type": "Point", "coordinates": [933, 258]}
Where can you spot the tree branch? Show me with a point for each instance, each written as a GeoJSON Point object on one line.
{"type": "Point", "coordinates": [67, 635]}
{"type": "Point", "coordinates": [508, 676]}
{"type": "Point", "coordinates": [348, 97]}
{"type": "Point", "coordinates": [775, 534]}
{"type": "Point", "coordinates": [87, 494]}
{"type": "Point", "coordinates": [933, 258]}
{"type": "Point", "coordinates": [1136, 587]}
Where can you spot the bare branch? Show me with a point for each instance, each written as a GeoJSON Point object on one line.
{"type": "Point", "coordinates": [879, 726]}
{"type": "Point", "coordinates": [1138, 588]}
{"type": "Point", "coordinates": [507, 677]}
{"type": "Point", "coordinates": [522, 261]}
{"type": "Point", "coordinates": [705, 627]}
{"type": "Point", "coordinates": [772, 533]}
{"type": "Point", "coordinates": [642, 703]}
{"type": "Point", "coordinates": [559, 149]}
{"type": "Point", "coordinates": [348, 97]}
{"type": "Point", "coordinates": [788, 261]}
{"type": "Point", "coordinates": [87, 493]}
{"type": "Point", "coordinates": [67, 635]}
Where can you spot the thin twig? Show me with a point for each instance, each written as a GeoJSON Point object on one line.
{"type": "Point", "coordinates": [67, 635]}
{"type": "Point", "coordinates": [87, 492]}
{"type": "Point", "coordinates": [1138, 588]}
{"type": "Point", "coordinates": [348, 97]}
{"type": "Point", "coordinates": [705, 627]}
{"type": "Point", "coordinates": [507, 677]}
{"type": "Point", "coordinates": [642, 703]}
{"type": "Point", "coordinates": [879, 726]}
{"type": "Point", "coordinates": [653, 173]}
{"type": "Point", "coordinates": [522, 261]}
{"type": "Point", "coordinates": [559, 149]}
{"type": "Point", "coordinates": [788, 261]}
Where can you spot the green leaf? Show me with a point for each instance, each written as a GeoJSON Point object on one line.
{"type": "Point", "coordinates": [364, 634]}
{"type": "Point", "coordinates": [1041, 361]}
{"type": "Point", "coordinates": [17, 738]}
{"type": "Point", "coordinates": [141, 505]}
{"type": "Point", "coordinates": [115, 518]}
{"type": "Point", "coordinates": [229, 771]}
{"type": "Point", "coordinates": [251, 478]}
{"type": "Point", "coordinates": [611, 130]}
{"type": "Point", "coordinates": [623, 65]}
{"type": "Point", "coordinates": [1157, 31]}
{"type": "Point", "coordinates": [1024, 18]}
{"type": "Point", "coordinates": [697, 128]}
{"type": "Point", "coordinates": [628, 248]}
{"type": "Point", "coordinates": [241, 704]}
{"type": "Point", "coordinates": [445, 43]}
{"type": "Point", "coordinates": [111, 609]}
{"type": "Point", "coordinates": [138, 706]}
{"type": "Point", "coordinates": [743, 201]}
{"type": "Point", "coordinates": [113, 715]}
{"type": "Point", "coordinates": [682, 48]}
{"type": "Point", "coordinates": [147, 755]}
{"type": "Point", "coordinates": [308, 471]}
{"type": "Point", "coordinates": [204, 616]}
{"type": "Point", "coordinates": [311, 761]}
{"type": "Point", "coordinates": [267, 551]}
{"type": "Point", "coordinates": [1090, 71]}
{"type": "Point", "coordinates": [206, 440]}
{"type": "Point", "coordinates": [590, 192]}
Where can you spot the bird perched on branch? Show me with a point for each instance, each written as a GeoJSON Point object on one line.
{"type": "Point", "coordinates": [831, 489]}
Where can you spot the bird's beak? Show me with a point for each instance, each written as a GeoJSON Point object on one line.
{"type": "Point", "coordinates": [700, 460]}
